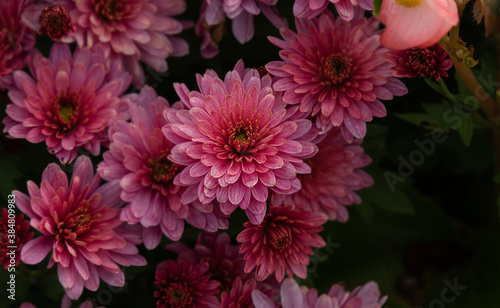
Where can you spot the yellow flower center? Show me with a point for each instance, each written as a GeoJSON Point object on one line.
{"type": "Point", "coordinates": [409, 3]}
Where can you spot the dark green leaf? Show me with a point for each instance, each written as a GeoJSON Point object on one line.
{"type": "Point", "coordinates": [466, 129]}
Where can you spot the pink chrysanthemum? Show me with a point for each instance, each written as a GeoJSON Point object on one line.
{"type": "Point", "coordinates": [367, 296]}
{"type": "Point", "coordinates": [69, 103]}
{"type": "Point", "coordinates": [224, 260]}
{"type": "Point", "coordinates": [335, 175]}
{"type": "Point", "coordinates": [16, 40]}
{"type": "Point", "coordinates": [240, 295]}
{"type": "Point", "coordinates": [241, 13]}
{"type": "Point", "coordinates": [138, 159]}
{"type": "Point", "coordinates": [431, 62]}
{"type": "Point", "coordinates": [345, 8]}
{"type": "Point", "coordinates": [80, 224]}
{"type": "Point", "coordinates": [55, 22]}
{"type": "Point", "coordinates": [226, 264]}
{"type": "Point", "coordinates": [130, 30]}
{"type": "Point", "coordinates": [282, 242]}
{"type": "Point", "coordinates": [10, 256]}
{"type": "Point", "coordinates": [185, 285]}
{"type": "Point", "coordinates": [336, 71]}
{"type": "Point", "coordinates": [237, 142]}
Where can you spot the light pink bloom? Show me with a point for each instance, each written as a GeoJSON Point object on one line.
{"type": "Point", "coordinates": [80, 224]}
{"type": "Point", "coordinates": [335, 175]}
{"type": "Point", "coordinates": [130, 30]}
{"type": "Point", "coordinates": [336, 71]}
{"type": "Point", "coordinates": [367, 296]}
{"type": "Point", "coordinates": [16, 39]}
{"type": "Point", "coordinates": [68, 103]}
{"type": "Point", "coordinates": [345, 8]}
{"type": "Point", "coordinates": [237, 142]}
{"type": "Point", "coordinates": [416, 23]}
{"type": "Point", "coordinates": [138, 160]}
{"type": "Point", "coordinates": [282, 242]}
{"type": "Point", "coordinates": [184, 284]}
{"type": "Point", "coordinates": [241, 13]}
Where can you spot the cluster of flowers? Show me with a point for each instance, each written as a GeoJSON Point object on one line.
{"type": "Point", "coordinates": [282, 143]}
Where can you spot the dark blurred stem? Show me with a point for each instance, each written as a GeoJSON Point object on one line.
{"type": "Point", "coordinates": [490, 108]}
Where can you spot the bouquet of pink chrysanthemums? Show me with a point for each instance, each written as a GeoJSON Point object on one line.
{"type": "Point", "coordinates": [242, 181]}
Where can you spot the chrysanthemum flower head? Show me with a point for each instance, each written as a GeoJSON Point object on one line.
{"type": "Point", "coordinates": [334, 178]}
{"type": "Point", "coordinates": [367, 296]}
{"type": "Point", "coordinates": [130, 30]}
{"type": "Point", "coordinates": [80, 224]}
{"type": "Point", "coordinates": [9, 221]}
{"type": "Point", "coordinates": [336, 71]}
{"type": "Point", "coordinates": [282, 242]}
{"type": "Point", "coordinates": [223, 258]}
{"type": "Point", "coordinates": [345, 8]}
{"type": "Point", "coordinates": [416, 23]}
{"type": "Point", "coordinates": [430, 62]}
{"type": "Point", "coordinates": [16, 40]}
{"type": "Point", "coordinates": [185, 285]}
{"type": "Point", "coordinates": [55, 22]}
{"type": "Point", "coordinates": [69, 101]}
{"type": "Point", "coordinates": [237, 142]}
{"type": "Point", "coordinates": [138, 160]}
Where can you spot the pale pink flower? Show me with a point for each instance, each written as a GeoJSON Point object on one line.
{"type": "Point", "coordinates": [345, 8]}
{"type": "Point", "coordinates": [80, 224]}
{"type": "Point", "coordinates": [184, 284]}
{"type": "Point", "coordinates": [237, 142]}
{"type": "Point", "coordinates": [130, 30]}
{"type": "Point", "coordinates": [335, 176]}
{"type": "Point", "coordinates": [336, 71]}
{"type": "Point", "coordinates": [416, 23]}
{"type": "Point", "coordinates": [281, 242]}
{"type": "Point", "coordinates": [367, 296]}
{"type": "Point", "coordinates": [138, 160]}
{"type": "Point", "coordinates": [16, 39]}
{"type": "Point", "coordinates": [69, 101]}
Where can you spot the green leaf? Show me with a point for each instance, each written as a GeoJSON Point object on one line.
{"type": "Point", "coordinates": [381, 196]}
{"type": "Point", "coordinates": [466, 129]}
{"type": "Point", "coordinates": [366, 211]}
{"type": "Point", "coordinates": [396, 202]}
{"type": "Point", "coordinates": [432, 118]}
{"type": "Point", "coordinates": [377, 4]}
